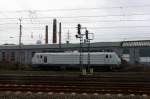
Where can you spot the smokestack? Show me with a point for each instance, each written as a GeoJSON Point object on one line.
{"type": "Point", "coordinates": [54, 31]}
{"type": "Point", "coordinates": [46, 34]}
{"type": "Point", "coordinates": [60, 35]}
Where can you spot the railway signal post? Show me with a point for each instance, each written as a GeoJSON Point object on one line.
{"type": "Point", "coordinates": [80, 36]}
{"type": "Point", "coordinates": [88, 39]}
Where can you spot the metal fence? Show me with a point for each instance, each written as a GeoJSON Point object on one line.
{"type": "Point", "coordinates": [50, 95]}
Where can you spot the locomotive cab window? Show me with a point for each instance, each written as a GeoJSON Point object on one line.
{"type": "Point", "coordinates": [45, 59]}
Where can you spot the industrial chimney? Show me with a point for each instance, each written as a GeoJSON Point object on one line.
{"type": "Point", "coordinates": [54, 31]}
{"type": "Point", "coordinates": [60, 35]}
{"type": "Point", "coordinates": [46, 34]}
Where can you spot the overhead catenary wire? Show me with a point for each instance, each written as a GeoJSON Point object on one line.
{"type": "Point", "coordinates": [95, 28]}
{"type": "Point", "coordinates": [75, 9]}
{"type": "Point", "coordinates": [114, 27]}
{"type": "Point", "coordinates": [85, 16]}
{"type": "Point", "coordinates": [94, 16]}
{"type": "Point", "coordinates": [93, 21]}
{"type": "Point", "coordinates": [110, 27]}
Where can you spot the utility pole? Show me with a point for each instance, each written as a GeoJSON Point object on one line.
{"type": "Point", "coordinates": [68, 37]}
{"type": "Point", "coordinates": [20, 35]}
{"type": "Point", "coordinates": [20, 32]}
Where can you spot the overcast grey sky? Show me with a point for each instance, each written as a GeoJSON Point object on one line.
{"type": "Point", "coordinates": [109, 20]}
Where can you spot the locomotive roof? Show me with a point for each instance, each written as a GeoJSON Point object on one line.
{"type": "Point", "coordinates": [77, 53]}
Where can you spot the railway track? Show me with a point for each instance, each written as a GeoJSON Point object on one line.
{"type": "Point", "coordinates": [77, 89]}
{"type": "Point", "coordinates": [124, 83]}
